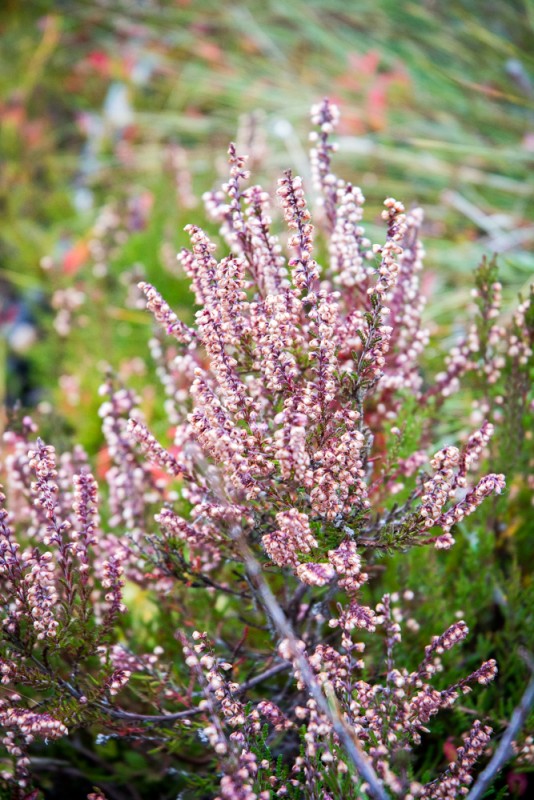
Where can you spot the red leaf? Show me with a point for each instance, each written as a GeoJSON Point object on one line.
{"type": "Point", "coordinates": [75, 258]}
{"type": "Point", "coordinates": [517, 783]}
{"type": "Point", "coordinates": [449, 750]}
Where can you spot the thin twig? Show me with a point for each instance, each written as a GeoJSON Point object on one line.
{"type": "Point", "coordinates": [156, 718]}
{"type": "Point", "coordinates": [504, 750]}
{"type": "Point", "coordinates": [117, 713]}
{"type": "Point", "coordinates": [346, 736]}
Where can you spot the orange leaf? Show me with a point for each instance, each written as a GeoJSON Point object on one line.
{"type": "Point", "coordinates": [75, 258]}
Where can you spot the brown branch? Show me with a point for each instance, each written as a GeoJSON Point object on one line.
{"type": "Point", "coordinates": [328, 706]}
{"type": "Point", "coordinates": [504, 750]}
{"type": "Point", "coordinates": [117, 713]}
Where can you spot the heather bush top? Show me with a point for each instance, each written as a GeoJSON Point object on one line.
{"type": "Point", "coordinates": [296, 373]}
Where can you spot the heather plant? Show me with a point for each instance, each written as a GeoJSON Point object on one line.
{"type": "Point", "coordinates": [306, 446]}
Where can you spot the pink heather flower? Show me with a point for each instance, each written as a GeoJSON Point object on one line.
{"type": "Point", "coordinates": [85, 507]}
{"type": "Point", "coordinates": [315, 574]}
{"type": "Point", "coordinates": [472, 451]}
{"type": "Point", "coordinates": [113, 582]}
{"type": "Point", "coordinates": [325, 116]}
{"type": "Point", "coordinates": [456, 780]}
{"type": "Point", "coordinates": [274, 715]}
{"type": "Point", "coordinates": [118, 680]}
{"type": "Point", "coordinates": [42, 462]}
{"type": "Point", "coordinates": [353, 616]}
{"type": "Point", "coordinates": [266, 260]}
{"type": "Point", "coordinates": [305, 271]}
{"type": "Point", "coordinates": [347, 563]}
{"type": "Point", "coordinates": [294, 537]}
{"type": "Point", "coordinates": [283, 386]}
{"type": "Point", "coordinates": [349, 248]}
{"type": "Point", "coordinates": [165, 316]}
{"type": "Point", "coordinates": [31, 724]}
{"type": "Point", "coordinates": [439, 488]}
{"type": "Point", "coordinates": [490, 484]}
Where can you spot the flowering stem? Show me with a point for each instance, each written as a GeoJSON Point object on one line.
{"type": "Point", "coordinates": [504, 750]}
{"type": "Point", "coordinates": [284, 629]}
{"type": "Point", "coordinates": [155, 718]}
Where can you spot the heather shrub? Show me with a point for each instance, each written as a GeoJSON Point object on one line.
{"type": "Point", "coordinates": [213, 620]}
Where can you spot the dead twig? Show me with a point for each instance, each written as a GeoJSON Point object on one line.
{"type": "Point", "coordinates": [504, 750]}
{"type": "Point", "coordinates": [328, 707]}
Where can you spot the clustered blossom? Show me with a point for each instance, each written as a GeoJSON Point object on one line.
{"type": "Point", "coordinates": [525, 750]}
{"type": "Point", "coordinates": [274, 324]}
{"type": "Point", "coordinates": [353, 615]}
{"type": "Point", "coordinates": [85, 507]}
{"type": "Point", "coordinates": [439, 488]}
{"type": "Point", "coordinates": [339, 485]}
{"type": "Point", "coordinates": [443, 484]}
{"type": "Point", "coordinates": [31, 725]}
{"type": "Point", "coordinates": [349, 248]}
{"type": "Point", "coordinates": [42, 463]}
{"type": "Point", "coordinates": [456, 780]}
{"type": "Point", "coordinates": [227, 711]}
{"type": "Point", "coordinates": [319, 442]}
{"type": "Point", "coordinates": [472, 451]}
{"type": "Point", "coordinates": [406, 305]}
{"type": "Point", "coordinates": [487, 346]}
{"type": "Point", "coordinates": [305, 269]}
{"type": "Point", "coordinates": [164, 315]}
{"type": "Point", "coordinates": [407, 700]}
{"type": "Point", "coordinates": [315, 574]}
{"type": "Point", "coordinates": [32, 573]}
{"type": "Point", "coordinates": [134, 485]}
{"type": "Point", "coordinates": [457, 362]}
{"type": "Point", "coordinates": [117, 681]}
{"type": "Point", "coordinates": [42, 595]}
{"type": "Point", "coordinates": [291, 380]}
{"type": "Point", "coordinates": [203, 539]}
{"type": "Point", "coordinates": [20, 727]}
{"type": "Point", "coordinates": [490, 484]}
{"type": "Point", "coordinates": [265, 257]}
{"type": "Point", "coordinates": [292, 538]}
{"type": "Point", "coordinates": [293, 371]}
{"type": "Point", "coordinates": [52, 580]}
{"type": "Point", "coordinates": [282, 373]}
{"type": "Point", "coordinates": [389, 268]}
{"type": "Point", "coordinates": [489, 334]}
{"type": "Point", "coordinates": [348, 565]}
{"type": "Point", "coordinates": [325, 116]}
{"type": "Point", "coordinates": [152, 448]}
{"type": "Point", "coordinates": [520, 344]}
{"type": "Point", "coordinates": [126, 477]}
{"type": "Point", "coordinates": [113, 582]}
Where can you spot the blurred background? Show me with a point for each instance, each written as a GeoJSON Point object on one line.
{"type": "Point", "coordinates": [116, 116]}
